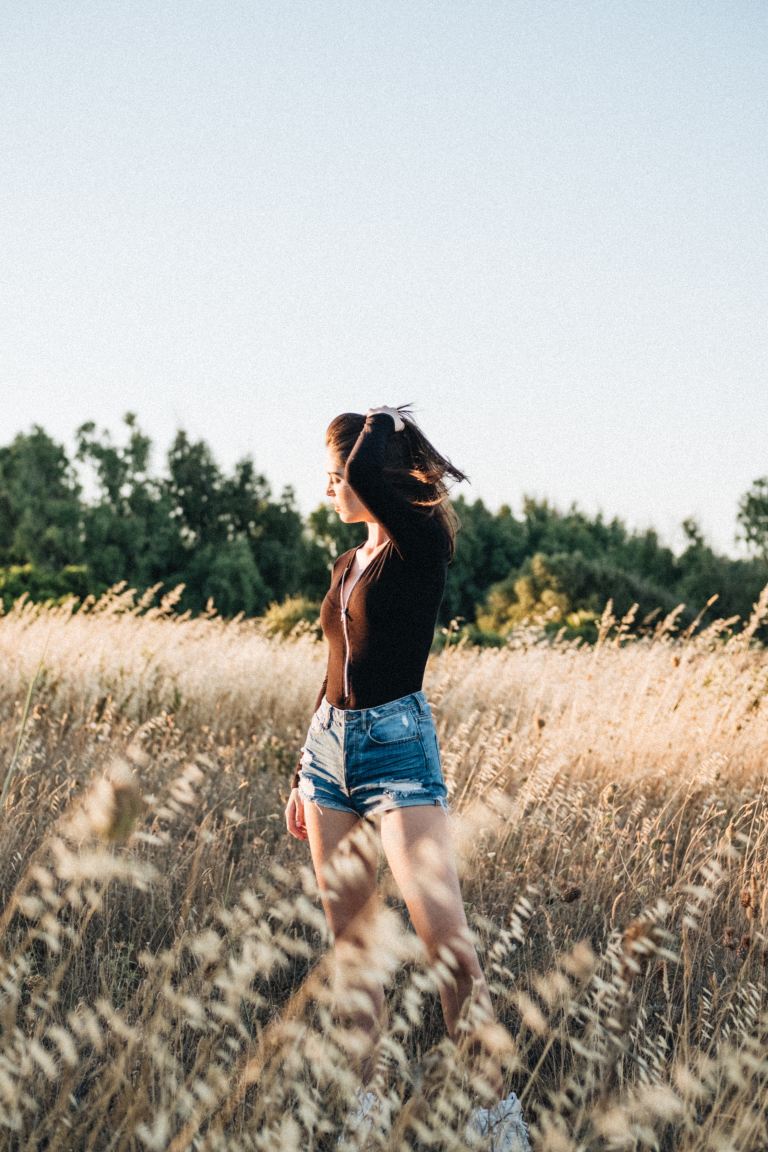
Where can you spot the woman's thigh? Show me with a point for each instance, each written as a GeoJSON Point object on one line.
{"type": "Point", "coordinates": [345, 858]}
{"type": "Point", "coordinates": [418, 847]}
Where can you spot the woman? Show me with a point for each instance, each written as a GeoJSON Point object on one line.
{"type": "Point", "coordinates": [371, 752]}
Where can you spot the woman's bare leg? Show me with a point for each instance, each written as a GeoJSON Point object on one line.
{"type": "Point", "coordinates": [344, 856]}
{"type": "Point", "coordinates": [417, 843]}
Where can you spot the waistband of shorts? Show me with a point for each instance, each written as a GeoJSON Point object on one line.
{"type": "Point", "coordinates": [329, 713]}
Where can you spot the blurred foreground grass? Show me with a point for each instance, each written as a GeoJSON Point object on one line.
{"type": "Point", "coordinates": [163, 957]}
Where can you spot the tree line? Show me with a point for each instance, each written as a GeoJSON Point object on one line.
{"type": "Point", "coordinates": [228, 539]}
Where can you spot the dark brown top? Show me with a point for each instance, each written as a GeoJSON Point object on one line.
{"type": "Point", "coordinates": [392, 609]}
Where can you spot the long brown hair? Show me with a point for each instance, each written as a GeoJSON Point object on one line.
{"type": "Point", "coordinates": [413, 466]}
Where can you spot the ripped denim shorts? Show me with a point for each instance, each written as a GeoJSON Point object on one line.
{"type": "Point", "coordinates": [369, 760]}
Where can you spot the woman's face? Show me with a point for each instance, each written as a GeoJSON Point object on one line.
{"type": "Point", "coordinates": [345, 500]}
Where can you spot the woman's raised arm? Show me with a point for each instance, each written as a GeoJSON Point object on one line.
{"type": "Point", "coordinates": [414, 533]}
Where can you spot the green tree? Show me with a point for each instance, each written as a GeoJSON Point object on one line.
{"type": "Point", "coordinates": [752, 517]}
{"type": "Point", "coordinates": [225, 537]}
{"type": "Point", "coordinates": [227, 573]}
{"type": "Point", "coordinates": [40, 511]}
{"type": "Point", "coordinates": [279, 548]}
{"type": "Point", "coordinates": [703, 574]}
{"type": "Point", "coordinates": [236, 538]}
{"type": "Point", "coordinates": [550, 588]}
{"type": "Point", "coordinates": [195, 487]}
{"type": "Point", "coordinates": [130, 531]}
{"type": "Point", "coordinates": [549, 531]}
{"type": "Point", "coordinates": [488, 545]}
{"type": "Point", "coordinates": [534, 595]}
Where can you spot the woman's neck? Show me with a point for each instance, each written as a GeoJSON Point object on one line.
{"type": "Point", "coordinates": [376, 537]}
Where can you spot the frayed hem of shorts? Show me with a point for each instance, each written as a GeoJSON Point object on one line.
{"type": "Point", "coordinates": [408, 800]}
{"type": "Point", "coordinates": [311, 798]}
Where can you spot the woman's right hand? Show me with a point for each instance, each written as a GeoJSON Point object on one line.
{"type": "Point", "coordinates": [393, 412]}
{"type": "Point", "coordinates": [294, 815]}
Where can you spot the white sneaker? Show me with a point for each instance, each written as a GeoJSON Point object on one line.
{"type": "Point", "coordinates": [504, 1125]}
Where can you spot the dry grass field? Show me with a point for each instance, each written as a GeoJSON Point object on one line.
{"type": "Point", "coordinates": [163, 953]}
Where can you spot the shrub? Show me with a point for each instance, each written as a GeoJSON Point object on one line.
{"type": "Point", "coordinates": [294, 616]}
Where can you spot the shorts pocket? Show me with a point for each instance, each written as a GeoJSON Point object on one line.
{"type": "Point", "coordinates": [317, 723]}
{"type": "Point", "coordinates": [397, 728]}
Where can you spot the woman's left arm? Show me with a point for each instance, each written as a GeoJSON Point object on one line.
{"type": "Point", "coordinates": [414, 534]}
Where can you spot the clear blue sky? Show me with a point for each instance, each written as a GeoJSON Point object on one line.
{"type": "Point", "coordinates": [544, 223]}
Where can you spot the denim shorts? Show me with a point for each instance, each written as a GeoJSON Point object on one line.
{"type": "Point", "coordinates": [369, 760]}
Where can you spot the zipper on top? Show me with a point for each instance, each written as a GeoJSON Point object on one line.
{"type": "Point", "coordinates": [344, 614]}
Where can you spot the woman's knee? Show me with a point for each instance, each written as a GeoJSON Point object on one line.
{"type": "Point", "coordinates": [456, 950]}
